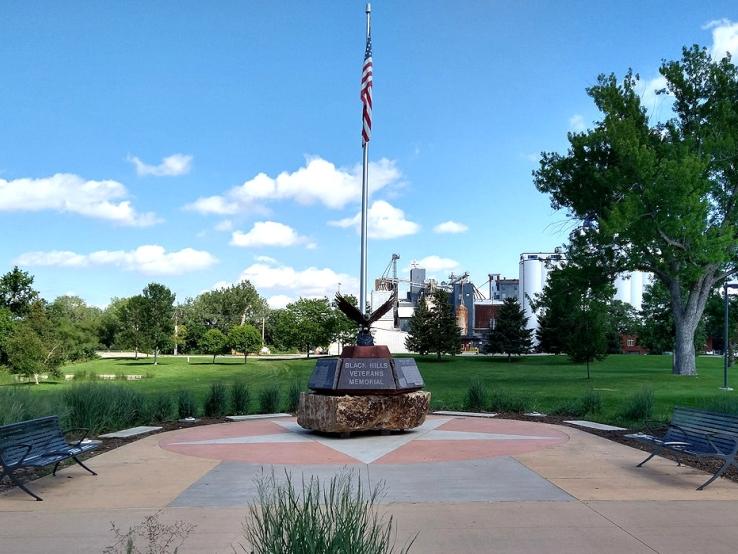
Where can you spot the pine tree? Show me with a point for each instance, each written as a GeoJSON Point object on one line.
{"type": "Point", "coordinates": [418, 339]}
{"type": "Point", "coordinates": [444, 334]}
{"type": "Point", "coordinates": [510, 334]}
{"type": "Point", "coordinates": [548, 334]}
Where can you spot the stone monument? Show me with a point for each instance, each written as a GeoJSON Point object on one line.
{"type": "Point", "coordinates": [366, 389]}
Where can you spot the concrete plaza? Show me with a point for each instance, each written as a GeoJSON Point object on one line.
{"type": "Point", "coordinates": [465, 484]}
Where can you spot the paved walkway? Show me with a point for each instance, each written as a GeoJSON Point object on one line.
{"type": "Point", "coordinates": [467, 485]}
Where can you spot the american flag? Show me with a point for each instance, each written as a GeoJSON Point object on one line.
{"type": "Point", "coordinates": [366, 92]}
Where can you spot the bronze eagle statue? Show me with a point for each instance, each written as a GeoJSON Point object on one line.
{"type": "Point", "coordinates": [364, 337]}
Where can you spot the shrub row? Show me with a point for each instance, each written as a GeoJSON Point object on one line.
{"type": "Point", "coordinates": [103, 407]}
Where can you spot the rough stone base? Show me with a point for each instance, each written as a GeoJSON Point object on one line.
{"type": "Point", "coordinates": [347, 414]}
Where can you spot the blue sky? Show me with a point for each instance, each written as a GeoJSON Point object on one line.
{"type": "Point", "coordinates": [195, 144]}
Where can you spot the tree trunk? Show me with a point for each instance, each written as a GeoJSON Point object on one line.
{"type": "Point", "coordinates": [135, 353]}
{"type": "Point", "coordinates": [438, 355]}
{"type": "Point", "coordinates": [684, 354]}
{"type": "Point", "coordinates": [588, 375]}
{"type": "Point", "coordinates": [687, 313]}
{"type": "Point", "coordinates": [35, 376]}
{"type": "Point", "coordinates": [244, 356]}
{"type": "Point", "coordinates": [156, 356]}
{"type": "Point", "coordinates": [509, 358]}
{"type": "Point", "coordinates": [214, 355]}
{"type": "Point", "coordinates": [307, 350]}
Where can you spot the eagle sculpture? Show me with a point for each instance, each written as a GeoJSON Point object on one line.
{"type": "Point", "coordinates": [364, 337]}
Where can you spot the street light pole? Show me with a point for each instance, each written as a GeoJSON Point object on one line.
{"type": "Point", "coordinates": [726, 339]}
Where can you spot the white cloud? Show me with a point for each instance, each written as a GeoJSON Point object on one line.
{"type": "Point", "coordinates": [225, 225]}
{"type": "Point", "coordinates": [724, 38]}
{"type": "Point", "coordinates": [576, 123]}
{"type": "Point", "coordinates": [312, 282]}
{"type": "Point", "coordinates": [435, 263]}
{"type": "Point", "coordinates": [269, 233]}
{"type": "Point", "coordinates": [279, 301]}
{"type": "Point", "coordinates": [384, 221]}
{"type": "Point", "coordinates": [65, 192]}
{"type": "Point", "coordinates": [149, 259]}
{"type": "Point", "coordinates": [265, 259]}
{"type": "Point", "coordinates": [452, 227]}
{"type": "Point", "coordinates": [171, 166]}
{"type": "Point", "coordinates": [318, 181]}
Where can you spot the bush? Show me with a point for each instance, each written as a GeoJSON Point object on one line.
{"type": "Point", "coordinates": [19, 404]}
{"type": "Point", "coordinates": [160, 408]}
{"type": "Point", "coordinates": [589, 403]}
{"type": "Point", "coordinates": [269, 400]}
{"type": "Point", "coordinates": [293, 397]}
{"type": "Point", "coordinates": [240, 397]}
{"type": "Point", "coordinates": [476, 396]}
{"type": "Point", "coordinates": [504, 401]}
{"type": "Point", "coordinates": [332, 518]}
{"type": "Point", "coordinates": [103, 407]}
{"type": "Point", "coordinates": [721, 404]}
{"type": "Point", "coordinates": [216, 402]}
{"type": "Point", "coordinates": [186, 404]}
{"type": "Point", "coordinates": [638, 406]}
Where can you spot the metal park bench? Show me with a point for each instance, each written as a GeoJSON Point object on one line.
{"type": "Point", "coordinates": [37, 443]}
{"type": "Point", "coordinates": [697, 433]}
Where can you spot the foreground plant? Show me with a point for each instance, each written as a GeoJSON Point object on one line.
{"type": "Point", "coordinates": [337, 517]}
{"type": "Point", "coordinates": [151, 536]}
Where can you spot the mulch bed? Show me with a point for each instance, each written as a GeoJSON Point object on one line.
{"type": "Point", "coordinates": [709, 466]}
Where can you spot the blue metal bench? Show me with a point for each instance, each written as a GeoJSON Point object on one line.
{"type": "Point", "coordinates": [37, 443]}
{"type": "Point", "coordinates": [697, 433]}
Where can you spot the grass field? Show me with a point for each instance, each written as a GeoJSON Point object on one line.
{"type": "Point", "coordinates": [539, 382]}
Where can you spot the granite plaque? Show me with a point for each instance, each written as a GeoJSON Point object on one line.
{"type": "Point", "coordinates": [407, 373]}
{"type": "Point", "coordinates": [366, 374]}
{"type": "Point", "coordinates": [325, 375]}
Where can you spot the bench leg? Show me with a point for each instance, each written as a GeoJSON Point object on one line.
{"type": "Point", "coordinates": [56, 466]}
{"type": "Point", "coordinates": [654, 453]}
{"type": "Point", "coordinates": [719, 472]}
{"type": "Point", "coordinates": [83, 465]}
{"type": "Point", "coordinates": [19, 484]}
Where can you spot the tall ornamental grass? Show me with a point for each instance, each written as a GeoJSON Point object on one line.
{"type": "Point", "coordinates": [19, 403]}
{"type": "Point", "coordinates": [104, 406]}
{"type": "Point", "coordinates": [337, 517]}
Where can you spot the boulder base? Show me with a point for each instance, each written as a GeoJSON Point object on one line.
{"type": "Point", "coordinates": [349, 413]}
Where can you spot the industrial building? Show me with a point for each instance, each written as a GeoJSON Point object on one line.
{"type": "Point", "coordinates": [475, 307]}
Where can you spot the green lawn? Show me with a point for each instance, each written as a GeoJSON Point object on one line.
{"type": "Point", "coordinates": [542, 381]}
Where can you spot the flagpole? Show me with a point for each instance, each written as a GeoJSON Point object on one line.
{"type": "Point", "coordinates": [364, 198]}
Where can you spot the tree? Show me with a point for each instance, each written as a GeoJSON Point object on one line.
{"type": "Point", "coordinates": [132, 324]}
{"type": "Point", "coordinates": [622, 319]}
{"type": "Point", "coordinates": [656, 331]}
{"type": "Point", "coordinates": [308, 323]}
{"type": "Point", "coordinates": [26, 352]}
{"type": "Point", "coordinates": [158, 317]}
{"type": "Point", "coordinates": [418, 337]}
{"type": "Point", "coordinates": [244, 338]}
{"type": "Point", "coordinates": [16, 291]}
{"type": "Point", "coordinates": [6, 328]}
{"type": "Point", "coordinates": [548, 334]}
{"type": "Point", "coordinates": [214, 342]}
{"type": "Point", "coordinates": [228, 306]}
{"type": "Point", "coordinates": [588, 331]}
{"type": "Point", "coordinates": [510, 334]}
{"type": "Point", "coordinates": [444, 336]}
{"type": "Point", "coordinates": [659, 197]}
{"type": "Point", "coordinates": [75, 327]}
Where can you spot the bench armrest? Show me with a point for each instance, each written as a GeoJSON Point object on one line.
{"type": "Point", "coordinates": [28, 448]}
{"type": "Point", "coordinates": [84, 435]}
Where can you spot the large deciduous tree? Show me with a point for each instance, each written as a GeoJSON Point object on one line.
{"type": "Point", "coordinates": [655, 196]}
